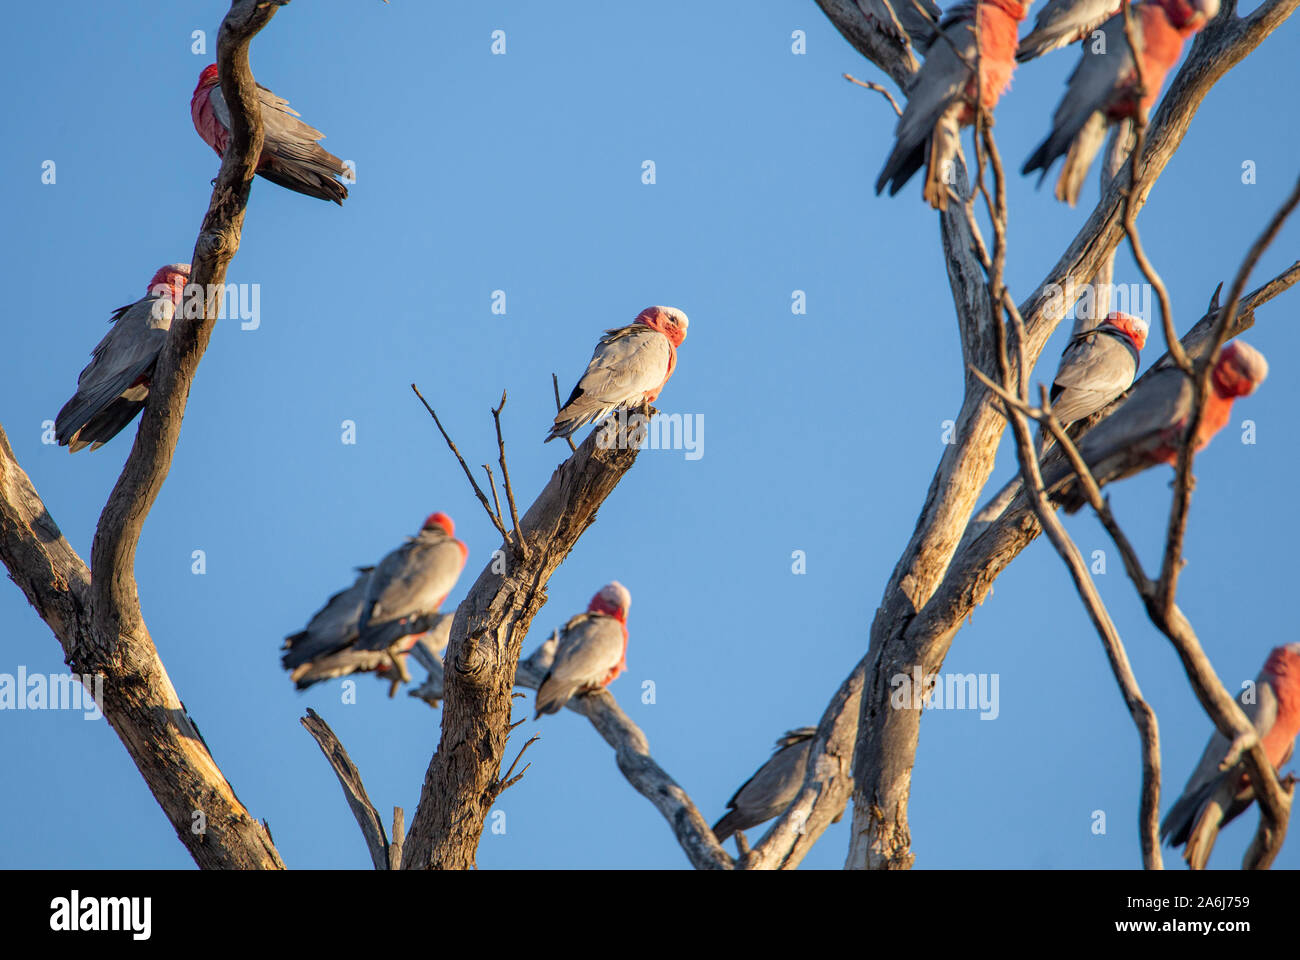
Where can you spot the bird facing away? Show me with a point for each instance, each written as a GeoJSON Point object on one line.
{"type": "Point", "coordinates": [1214, 797]}
{"type": "Point", "coordinates": [942, 99]}
{"type": "Point", "coordinates": [1096, 367]}
{"type": "Point", "coordinates": [592, 650]}
{"type": "Point", "coordinates": [291, 157]}
{"type": "Point", "coordinates": [769, 791]}
{"type": "Point", "coordinates": [410, 582]}
{"type": "Point", "coordinates": [1146, 428]}
{"type": "Point", "coordinates": [630, 366]}
{"type": "Point", "coordinates": [1102, 90]}
{"type": "Point", "coordinates": [113, 387]}
{"type": "Point", "coordinates": [373, 624]}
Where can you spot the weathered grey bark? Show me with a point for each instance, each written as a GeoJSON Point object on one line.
{"type": "Point", "coordinates": [98, 620]}
{"type": "Point", "coordinates": [490, 625]}
{"type": "Point", "coordinates": [368, 819]}
{"type": "Point", "coordinates": [632, 753]}
{"type": "Point", "coordinates": [886, 739]}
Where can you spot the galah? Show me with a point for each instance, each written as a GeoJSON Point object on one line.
{"type": "Point", "coordinates": [1146, 428]}
{"type": "Point", "coordinates": [1102, 90]}
{"type": "Point", "coordinates": [1063, 22]}
{"type": "Point", "coordinates": [630, 366]}
{"type": "Point", "coordinates": [1096, 367]}
{"type": "Point", "coordinates": [409, 583]}
{"type": "Point", "coordinates": [1214, 797]}
{"type": "Point", "coordinates": [592, 650]}
{"type": "Point", "coordinates": [942, 97]}
{"type": "Point", "coordinates": [113, 387]}
{"type": "Point", "coordinates": [769, 791]}
{"type": "Point", "coordinates": [373, 624]}
{"type": "Point", "coordinates": [918, 18]}
{"type": "Point", "coordinates": [291, 157]}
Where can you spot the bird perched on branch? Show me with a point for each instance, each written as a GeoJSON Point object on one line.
{"type": "Point", "coordinates": [291, 157]}
{"type": "Point", "coordinates": [1063, 22]}
{"type": "Point", "coordinates": [630, 366]}
{"type": "Point", "coordinates": [1146, 429]}
{"type": "Point", "coordinates": [1213, 797]}
{"type": "Point", "coordinates": [942, 98]}
{"type": "Point", "coordinates": [592, 650]}
{"type": "Point", "coordinates": [1103, 89]}
{"type": "Point", "coordinates": [769, 791]}
{"type": "Point", "coordinates": [1096, 367]}
{"type": "Point", "coordinates": [374, 624]}
{"type": "Point", "coordinates": [113, 387]}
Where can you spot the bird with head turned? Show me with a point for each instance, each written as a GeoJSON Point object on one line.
{"type": "Point", "coordinates": [592, 650]}
{"type": "Point", "coordinates": [629, 367]}
{"type": "Point", "coordinates": [113, 387]}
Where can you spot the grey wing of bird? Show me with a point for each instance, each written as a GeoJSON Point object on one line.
{"type": "Point", "coordinates": [1061, 22]}
{"type": "Point", "coordinates": [1096, 369]}
{"type": "Point", "coordinates": [331, 628]}
{"type": "Point", "coordinates": [939, 83]}
{"type": "Point", "coordinates": [127, 353]}
{"type": "Point", "coordinates": [1089, 88]}
{"type": "Point", "coordinates": [1161, 402]}
{"type": "Point", "coordinates": [771, 789]}
{"type": "Point", "coordinates": [1207, 776]}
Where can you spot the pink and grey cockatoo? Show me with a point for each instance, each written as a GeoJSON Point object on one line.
{"type": "Point", "coordinates": [1096, 367]}
{"type": "Point", "coordinates": [373, 624]}
{"type": "Point", "coordinates": [1063, 22]}
{"type": "Point", "coordinates": [1145, 429]}
{"type": "Point", "coordinates": [942, 98]}
{"type": "Point", "coordinates": [630, 366]}
{"type": "Point", "coordinates": [1214, 797]}
{"type": "Point", "coordinates": [592, 650]}
{"type": "Point", "coordinates": [769, 791]}
{"type": "Point", "coordinates": [290, 157]}
{"type": "Point", "coordinates": [1102, 90]}
{"type": "Point", "coordinates": [409, 583]}
{"type": "Point", "coordinates": [113, 387]}
{"type": "Point", "coordinates": [918, 18]}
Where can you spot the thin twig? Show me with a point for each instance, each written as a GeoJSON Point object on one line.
{"type": "Point", "coordinates": [482, 498]}
{"type": "Point", "coordinates": [1144, 717]}
{"type": "Point", "coordinates": [521, 548]}
{"type": "Point", "coordinates": [508, 781]}
{"type": "Point", "coordinates": [1176, 352]}
{"type": "Point", "coordinates": [492, 483]}
{"type": "Point", "coordinates": [878, 88]}
{"type": "Point", "coordinates": [1184, 482]}
{"type": "Point", "coordinates": [555, 385]}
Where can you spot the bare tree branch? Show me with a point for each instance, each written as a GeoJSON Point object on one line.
{"type": "Point", "coordinates": [521, 548]}
{"type": "Point", "coordinates": [98, 621]}
{"type": "Point", "coordinates": [487, 632]}
{"type": "Point", "coordinates": [368, 819]}
{"type": "Point", "coordinates": [632, 753]}
{"type": "Point", "coordinates": [907, 631]}
{"type": "Point", "coordinates": [478, 492]}
{"type": "Point", "coordinates": [879, 89]}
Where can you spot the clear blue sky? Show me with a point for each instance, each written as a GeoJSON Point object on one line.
{"type": "Point", "coordinates": [523, 173]}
